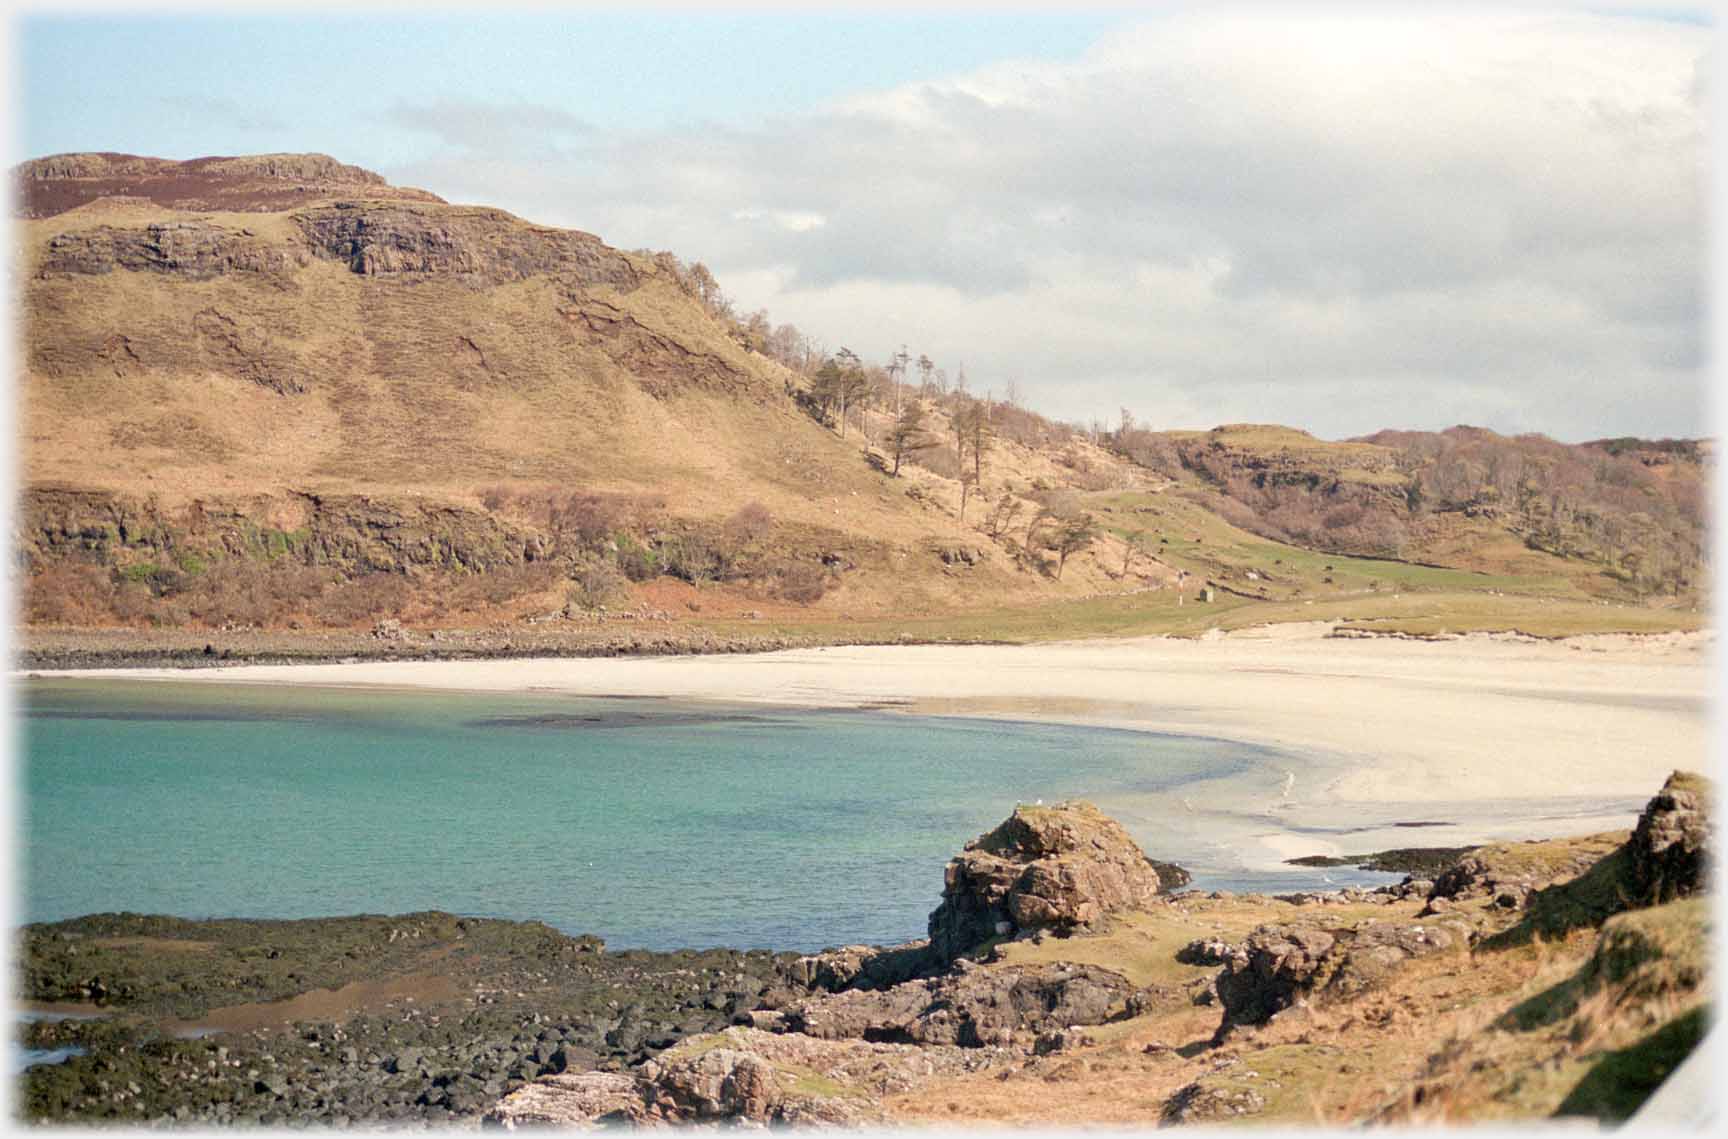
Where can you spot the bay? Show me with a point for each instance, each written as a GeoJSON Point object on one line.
{"type": "Point", "coordinates": [650, 823]}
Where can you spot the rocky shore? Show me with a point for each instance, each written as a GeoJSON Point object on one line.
{"type": "Point", "coordinates": [1061, 970]}
{"type": "Point", "coordinates": [626, 636]}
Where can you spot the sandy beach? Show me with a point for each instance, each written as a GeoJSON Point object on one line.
{"type": "Point", "coordinates": [1472, 739]}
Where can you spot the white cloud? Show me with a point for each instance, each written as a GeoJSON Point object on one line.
{"type": "Point", "coordinates": [1341, 220]}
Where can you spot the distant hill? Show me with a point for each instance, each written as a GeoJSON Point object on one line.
{"type": "Point", "coordinates": [277, 392]}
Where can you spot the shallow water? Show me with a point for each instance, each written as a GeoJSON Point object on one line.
{"type": "Point", "coordinates": [20, 1058]}
{"type": "Point", "coordinates": [650, 823]}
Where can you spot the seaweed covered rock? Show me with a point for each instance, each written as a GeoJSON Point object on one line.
{"type": "Point", "coordinates": [1060, 868]}
{"type": "Point", "coordinates": [1670, 846]}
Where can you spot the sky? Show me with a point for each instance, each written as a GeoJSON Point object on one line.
{"type": "Point", "coordinates": [1341, 218]}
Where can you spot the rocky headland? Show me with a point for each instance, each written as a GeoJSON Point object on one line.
{"type": "Point", "coordinates": [1064, 979]}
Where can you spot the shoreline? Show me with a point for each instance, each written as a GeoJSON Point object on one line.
{"type": "Point", "coordinates": [1474, 732]}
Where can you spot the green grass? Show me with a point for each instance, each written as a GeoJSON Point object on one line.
{"type": "Point", "coordinates": [1157, 614]}
{"type": "Point", "coordinates": [1171, 525]}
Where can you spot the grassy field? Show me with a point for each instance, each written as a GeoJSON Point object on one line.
{"type": "Point", "coordinates": [1158, 613]}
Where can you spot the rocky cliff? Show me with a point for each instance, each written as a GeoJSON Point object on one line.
{"type": "Point", "coordinates": [258, 363]}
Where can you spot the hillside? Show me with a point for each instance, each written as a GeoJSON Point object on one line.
{"type": "Point", "coordinates": [277, 393]}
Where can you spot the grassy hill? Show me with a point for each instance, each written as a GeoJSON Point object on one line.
{"type": "Point", "coordinates": [276, 393]}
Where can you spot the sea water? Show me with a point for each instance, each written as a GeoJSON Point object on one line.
{"type": "Point", "coordinates": [650, 823]}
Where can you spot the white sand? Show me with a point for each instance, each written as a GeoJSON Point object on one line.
{"type": "Point", "coordinates": [1498, 737]}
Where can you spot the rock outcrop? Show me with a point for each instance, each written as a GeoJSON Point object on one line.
{"type": "Point", "coordinates": [1061, 868]}
{"type": "Point", "coordinates": [745, 1075]}
{"type": "Point", "coordinates": [195, 250]}
{"type": "Point", "coordinates": [863, 966]}
{"type": "Point", "coordinates": [478, 247]}
{"type": "Point", "coordinates": [1670, 846]}
{"type": "Point", "coordinates": [1278, 965]}
{"type": "Point", "coordinates": [1510, 873]}
{"type": "Point", "coordinates": [254, 183]}
{"type": "Point", "coordinates": [971, 1007]}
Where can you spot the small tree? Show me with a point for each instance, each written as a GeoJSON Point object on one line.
{"type": "Point", "coordinates": [1008, 507]}
{"type": "Point", "coordinates": [979, 432]}
{"type": "Point", "coordinates": [1132, 545]}
{"type": "Point", "coordinates": [908, 435]}
{"type": "Point", "coordinates": [1071, 536]}
{"type": "Point", "coordinates": [838, 384]}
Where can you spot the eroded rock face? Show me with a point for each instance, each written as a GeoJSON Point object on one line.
{"type": "Point", "coordinates": [969, 1008]}
{"type": "Point", "coordinates": [1670, 847]}
{"type": "Point", "coordinates": [1278, 965]}
{"type": "Point", "coordinates": [478, 247]}
{"type": "Point", "coordinates": [1060, 868]}
{"type": "Point", "coordinates": [195, 250]}
{"type": "Point", "coordinates": [249, 183]}
{"type": "Point", "coordinates": [863, 967]}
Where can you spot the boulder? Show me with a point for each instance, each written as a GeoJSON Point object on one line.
{"type": "Point", "coordinates": [1061, 868]}
{"type": "Point", "coordinates": [969, 1008]}
{"type": "Point", "coordinates": [746, 1076]}
{"type": "Point", "coordinates": [1670, 846]}
{"type": "Point", "coordinates": [862, 966]}
{"type": "Point", "coordinates": [568, 1100]}
{"type": "Point", "coordinates": [1211, 1102]}
{"type": "Point", "coordinates": [1278, 966]}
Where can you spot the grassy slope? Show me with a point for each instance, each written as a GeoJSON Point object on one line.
{"type": "Point", "coordinates": [439, 390]}
{"type": "Point", "coordinates": [1585, 1024]}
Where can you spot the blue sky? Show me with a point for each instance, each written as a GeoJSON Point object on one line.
{"type": "Point", "coordinates": [1345, 218]}
{"type": "Point", "coordinates": [180, 87]}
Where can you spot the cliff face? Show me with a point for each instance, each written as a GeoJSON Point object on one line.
{"type": "Point", "coordinates": [259, 182]}
{"type": "Point", "coordinates": [211, 347]}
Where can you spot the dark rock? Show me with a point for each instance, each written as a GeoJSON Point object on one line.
{"type": "Point", "coordinates": [475, 246]}
{"type": "Point", "coordinates": [1266, 972]}
{"type": "Point", "coordinates": [971, 1008]}
{"type": "Point", "coordinates": [1278, 965]}
{"type": "Point", "coordinates": [1201, 1102]}
{"type": "Point", "coordinates": [1670, 847]}
{"type": "Point", "coordinates": [864, 967]}
{"type": "Point", "coordinates": [1205, 951]}
{"type": "Point", "coordinates": [194, 250]}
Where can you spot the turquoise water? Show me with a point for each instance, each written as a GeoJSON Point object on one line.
{"type": "Point", "coordinates": [651, 824]}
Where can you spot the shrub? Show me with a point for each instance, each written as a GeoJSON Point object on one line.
{"type": "Point", "coordinates": [495, 587]}
{"type": "Point", "coordinates": [692, 557]}
{"type": "Point", "coordinates": [68, 593]}
{"type": "Point", "coordinates": [636, 561]}
{"type": "Point", "coordinates": [596, 585]}
{"type": "Point", "coordinates": [750, 524]}
{"type": "Point", "coordinates": [800, 582]}
{"type": "Point", "coordinates": [370, 595]}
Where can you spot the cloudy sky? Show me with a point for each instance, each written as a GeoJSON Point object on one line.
{"type": "Point", "coordinates": [1342, 218]}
